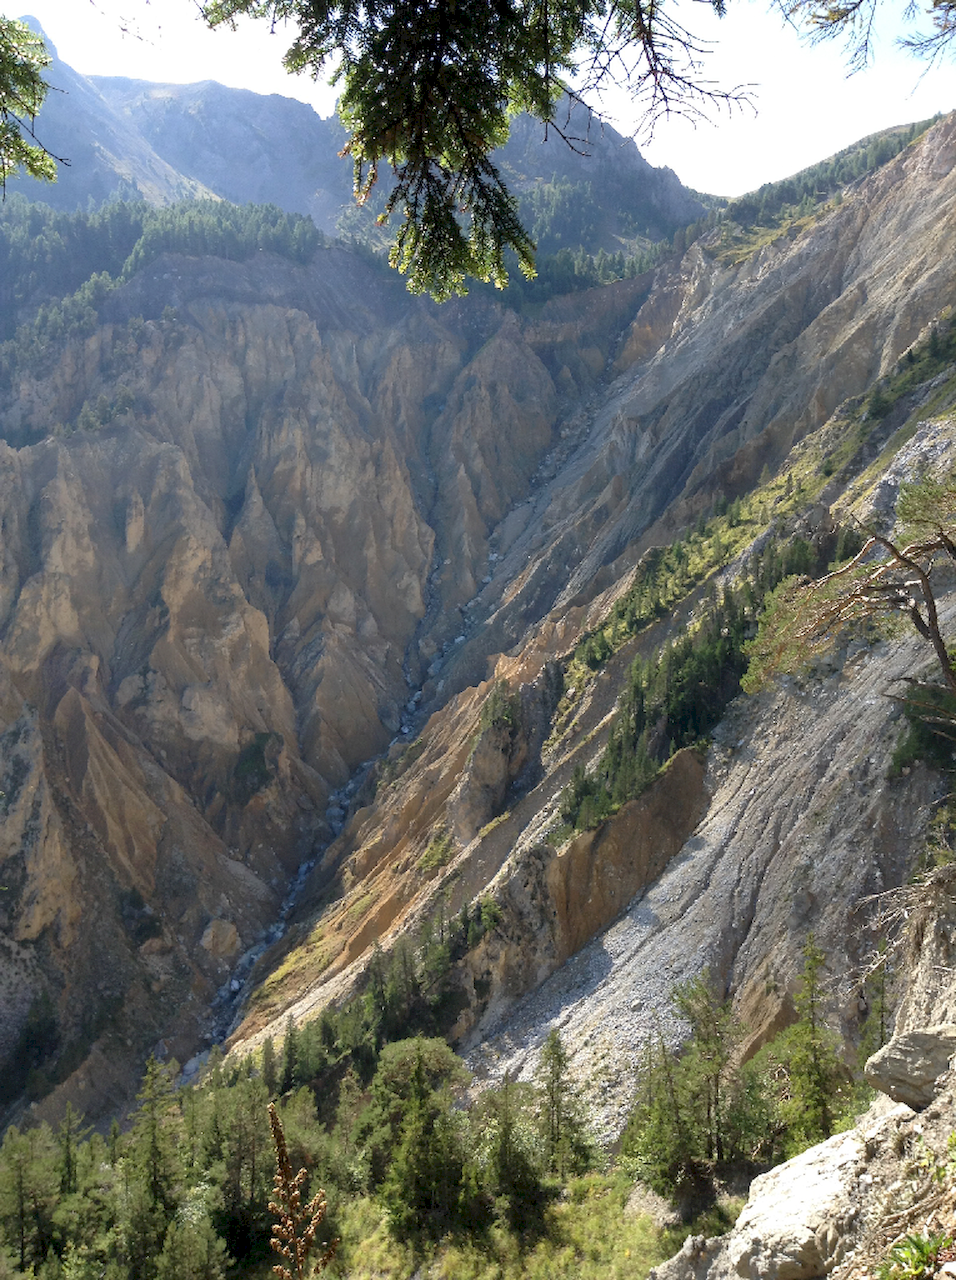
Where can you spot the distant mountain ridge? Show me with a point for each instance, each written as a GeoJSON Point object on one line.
{"type": "Point", "coordinates": [166, 142]}
{"type": "Point", "coordinates": [101, 154]}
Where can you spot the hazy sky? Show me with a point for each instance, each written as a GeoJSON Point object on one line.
{"type": "Point", "coordinates": [806, 107]}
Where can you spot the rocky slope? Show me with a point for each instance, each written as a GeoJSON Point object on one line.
{"type": "Point", "coordinates": [100, 153]}
{"type": "Point", "coordinates": [322, 518]}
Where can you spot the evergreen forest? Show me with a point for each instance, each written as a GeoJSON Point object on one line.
{"type": "Point", "coordinates": [413, 1162]}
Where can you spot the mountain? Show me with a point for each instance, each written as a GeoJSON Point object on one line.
{"type": "Point", "coordinates": [100, 154]}
{"type": "Point", "coordinates": [242, 146]}
{"type": "Point", "coordinates": [166, 142]}
{"type": "Point", "coordinates": [340, 629]}
{"type": "Point", "coordinates": [265, 521]}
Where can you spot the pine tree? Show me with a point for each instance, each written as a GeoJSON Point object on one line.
{"type": "Point", "coordinates": [28, 1181]}
{"type": "Point", "coordinates": [513, 1179]}
{"type": "Point", "coordinates": [290, 1055]}
{"type": "Point", "coordinates": [704, 1066]}
{"type": "Point", "coordinates": [153, 1175]}
{"type": "Point", "coordinates": [270, 1074]}
{"type": "Point", "coordinates": [424, 1186]}
{"type": "Point", "coordinates": [192, 1251]}
{"type": "Point", "coordinates": [813, 1081]}
{"type": "Point", "coordinates": [565, 1141]}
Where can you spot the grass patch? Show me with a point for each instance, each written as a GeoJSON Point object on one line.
{"type": "Point", "coordinates": [487, 829]}
{"type": "Point", "coordinates": [587, 1236]}
{"type": "Point", "coordinates": [304, 962]}
{"type": "Point", "coordinates": [360, 907]}
{"type": "Point", "coordinates": [715, 1220]}
{"type": "Point", "coordinates": [392, 770]}
{"type": "Point", "coordinates": [439, 851]}
{"type": "Point", "coordinates": [738, 243]}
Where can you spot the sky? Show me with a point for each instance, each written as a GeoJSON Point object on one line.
{"type": "Point", "coordinates": [805, 106]}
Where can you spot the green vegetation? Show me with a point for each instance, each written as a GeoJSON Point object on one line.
{"type": "Point", "coordinates": [811, 1087]}
{"type": "Point", "coordinates": [694, 1112]}
{"type": "Point", "coordinates": [429, 98]}
{"type": "Point", "coordinates": [501, 709]}
{"type": "Point", "coordinates": [411, 1172]}
{"type": "Point", "coordinates": [456, 214]}
{"type": "Point", "coordinates": [915, 1257]}
{"type": "Point", "coordinates": [65, 263]}
{"type": "Point", "coordinates": [186, 1191]}
{"type": "Point", "coordinates": [22, 90]}
{"type": "Point", "coordinates": [587, 1234]}
{"type": "Point", "coordinates": [805, 191]}
{"type": "Point", "coordinates": [674, 698]}
{"type": "Point", "coordinates": [784, 208]}
{"type": "Point", "coordinates": [884, 583]}
{"type": "Point", "coordinates": [918, 366]}
{"type": "Point", "coordinates": [699, 1112]}
{"type": "Point", "coordinates": [439, 851]}
{"type": "Point", "coordinates": [930, 734]}
{"type": "Point", "coordinates": [253, 771]}
{"type": "Point", "coordinates": [409, 991]}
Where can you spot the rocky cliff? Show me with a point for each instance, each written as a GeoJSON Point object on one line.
{"type": "Point", "coordinates": [323, 521]}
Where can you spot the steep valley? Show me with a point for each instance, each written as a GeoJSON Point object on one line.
{"type": "Point", "coordinates": [295, 571]}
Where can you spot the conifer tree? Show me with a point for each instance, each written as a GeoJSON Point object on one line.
{"type": "Point", "coordinates": [425, 1182]}
{"type": "Point", "coordinates": [192, 1251]}
{"type": "Point", "coordinates": [270, 1073]}
{"type": "Point", "coordinates": [290, 1055]}
{"type": "Point", "coordinates": [566, 1147]}
{"type": "Point", "coordinates": [28, 1181]}
{"type": "Point", "coordinates": [811, 1081]}
{"type": "Point", "coordinates": [152, 1154]}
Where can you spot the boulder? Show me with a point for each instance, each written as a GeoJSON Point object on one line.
{"type": "Point", "coordinates": [795, 1224]}
{"type": "Point", "coordinates": [221, 939]}
{"type": "Point", "coordinates": [800, 1220]}
{"type": "Point", "coordinates": [908, 1066]}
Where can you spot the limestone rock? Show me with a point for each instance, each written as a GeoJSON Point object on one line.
{"type": "Point", "coordinates": [794, 1225]}
{"type": "Point", "coordinates": [908, 1067]}
{"type": "Point", "coordinates": [497, 758]}
{"type": "Point", "coordinates": [804, 1218]}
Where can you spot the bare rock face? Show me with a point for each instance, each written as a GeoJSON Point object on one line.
{"type": "Point", "coordinates": [497, 758]}
{"type": "Point", "coordinates": [910, 1064]}
{"type": "Point", "coordinates": [554, 901]}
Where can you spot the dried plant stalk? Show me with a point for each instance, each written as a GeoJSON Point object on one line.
{"type": "Point", "coordinates": [294, 1231]}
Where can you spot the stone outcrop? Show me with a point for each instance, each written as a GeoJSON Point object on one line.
{"type": "Point", "coordinates": [553, 901]}
{"type": "Point", "coordinates": [908, 1068]}
{"type": "Point", "coordinates": [803, 1217]}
